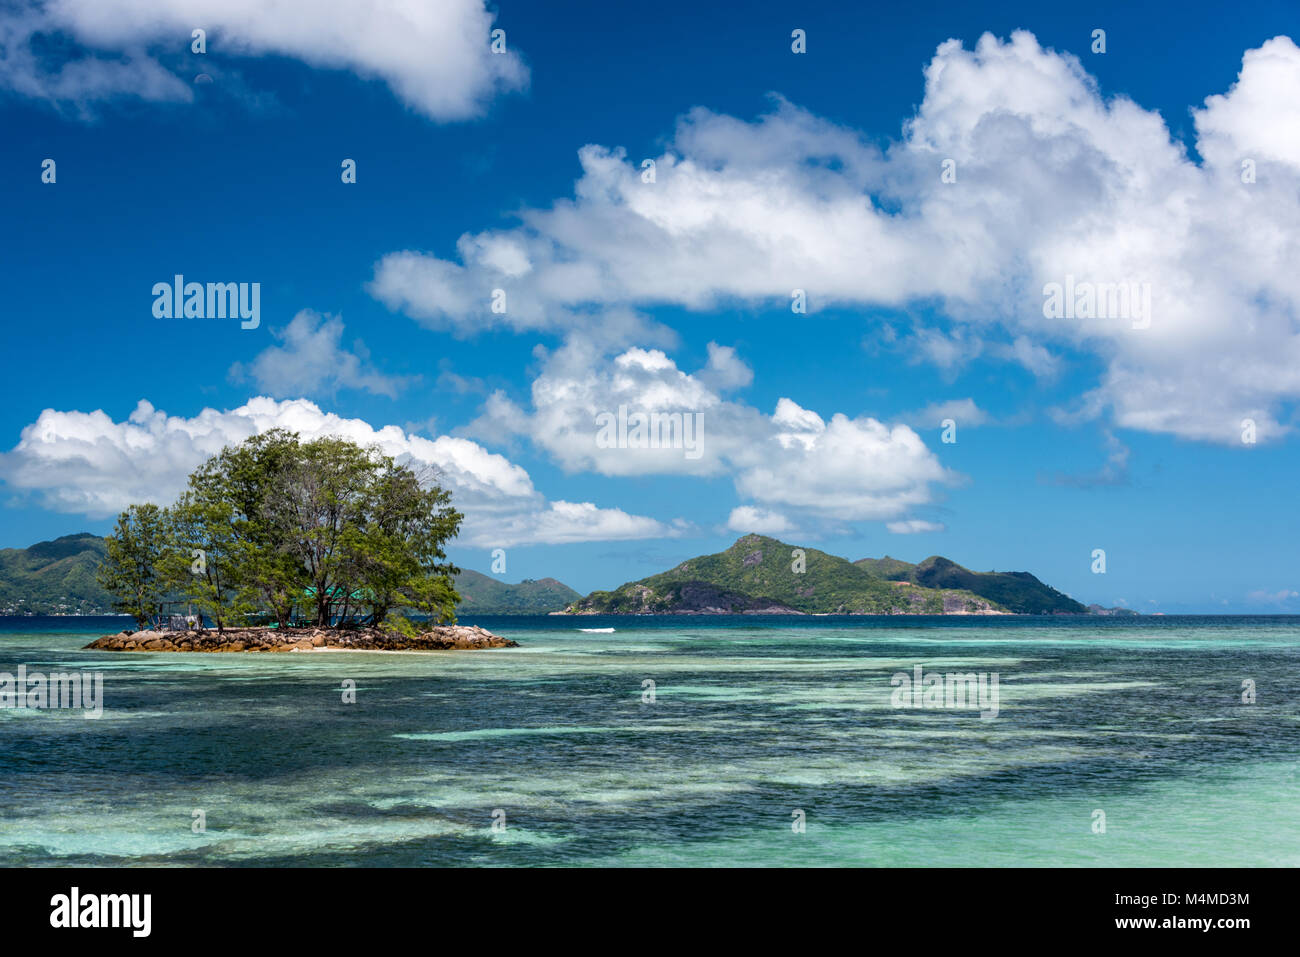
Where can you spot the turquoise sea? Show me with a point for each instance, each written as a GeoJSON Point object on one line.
{"type": "Point", "coordinates": [754, 721]}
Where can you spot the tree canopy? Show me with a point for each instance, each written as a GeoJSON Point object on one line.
{"type": "Point", "coordinates": [326, 527]}
{"type": "Point", "coordinates": [132, 570]}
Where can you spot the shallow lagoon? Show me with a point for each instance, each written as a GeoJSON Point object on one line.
{"type": "Point", "coordinates": [753, 719]}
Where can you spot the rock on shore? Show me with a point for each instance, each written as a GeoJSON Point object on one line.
{"type": "Point", "coordinates": [438, 638]}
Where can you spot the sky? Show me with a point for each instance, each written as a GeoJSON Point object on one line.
{"type": "Point", "coordinates": [840, 267]}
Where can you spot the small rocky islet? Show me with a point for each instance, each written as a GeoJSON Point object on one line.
{"type": "Point", "coordinates": [437, 638]}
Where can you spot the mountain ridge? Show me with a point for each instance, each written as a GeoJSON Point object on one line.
{"type": "Point", "coordinates": [1020, 592]}
{"type": "Point", "coordinates": [483, 595]}
{"type": "Point", "coordinates": [756, 574]}
{"type": "Point", "coordinates": [55, 577]}
{"type": "Point", "coordinates": [759, 573]}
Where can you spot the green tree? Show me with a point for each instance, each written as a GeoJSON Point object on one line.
{"type": "Point", "coordinates": [132, 570]}
{"type": "Point", "coordinates": [234, 491]}
{"type": "Point", "coordinates": [312, 510]}
{"type": "Point", "coordinates": [395, 553]}
{"type": "Point", "coordinates": [207, 561]}
{"type": "Point", "coordinates": [275, 522]}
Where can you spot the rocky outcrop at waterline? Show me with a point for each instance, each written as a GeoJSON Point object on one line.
{"type": "Point", "coordinates": [437, 638]}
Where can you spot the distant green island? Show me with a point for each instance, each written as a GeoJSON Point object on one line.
{"type": "Point", "coordinates": [54, 578]}
{"type": "Point", "coordinates": [483, 595]}
{"type": "Point", "coordinates": [759, 574]}
{"type": "Point", "coordinates": [58, 578]}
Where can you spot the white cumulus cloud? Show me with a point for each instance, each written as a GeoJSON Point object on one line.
{"type": "Point", "coordinates": [433, 54]}
{"type": "Point", "coordinates": [844, 469]}
{"type": "Point", "coordinates": [84, 462]}
{"type": "Point", "coordinates": [747, 518]}
{"type": "Point", "coordinates": [312, 360]}
{"type": "Point", "coordinates": [1055, 182]}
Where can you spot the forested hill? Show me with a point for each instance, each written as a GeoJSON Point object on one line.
{"type": "Point", "coordinates": [758, 574]}
{"type": "Point", "coordinates": [52, 578]}
{"type": "Point", "coordinates": [483, 595]}
{"type": "Point", "coordinates": [1019, 592]}
{"type": "Point", "coordinates": [58, 577]}
{"type": "Point", "coordinates": [762, 574]}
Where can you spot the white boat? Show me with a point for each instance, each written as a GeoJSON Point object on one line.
{"type": "Point", "coordinates": [597, 631]}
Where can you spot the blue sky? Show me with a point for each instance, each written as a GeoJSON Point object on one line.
{"type": "Point", "coordinates": [818, 170]}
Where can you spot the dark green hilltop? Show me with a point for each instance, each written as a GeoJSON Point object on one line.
{"type": "Point", "coordinates": [760, 574]}
{"type": "Point", "coordinates": [58, 578]}
{"type": "Point", "coordinates": [1018, 592]}
{"type": "Point", "coordinates": [483, 595]}
{"type": "Point", "coordinates": [54, 578]}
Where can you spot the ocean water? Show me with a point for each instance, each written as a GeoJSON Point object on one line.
{"type": "Point", "coordinates": [756, 723]}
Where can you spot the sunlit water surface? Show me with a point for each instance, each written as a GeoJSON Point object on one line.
{"type": "Point", "coordinates": [754, 719]}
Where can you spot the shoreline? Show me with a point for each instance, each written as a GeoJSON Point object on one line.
{"type": "Point", "coordinates": [276, 640]}
{"type": "Point", "coordinates": [804, 614]}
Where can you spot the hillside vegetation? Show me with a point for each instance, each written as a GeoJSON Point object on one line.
{"type": "Point", "coordinates": [1019, 592]}
{"type": "Point", "coordinates": [54, 578]}
{"type": "Point", "coordinates": [759, 574]}
{"type": "Point", "coordinates": [482, 595]}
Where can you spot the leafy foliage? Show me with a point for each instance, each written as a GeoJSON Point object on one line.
{"type": "Point", "coordinates": [59, 576]}
{"type": "Point", "coordinates": [335, 530]}
{"type": "Point", "coordinates": [133, 569]}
